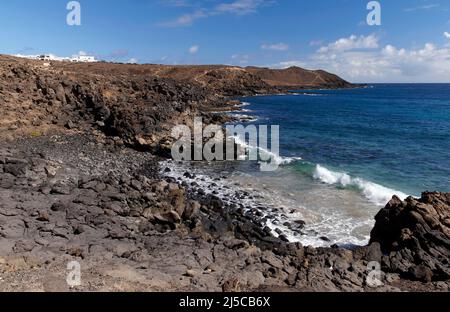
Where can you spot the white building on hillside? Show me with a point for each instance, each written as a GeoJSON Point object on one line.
{"type": "Point", "coordinates": [51, 57]}
{"type": "Point", "coordinates": [47, 57]}
{"type": "Point", "coordinates": [83, 59]}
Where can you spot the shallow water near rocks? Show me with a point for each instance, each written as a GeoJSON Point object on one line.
{"type": "Point", "coordinates": [337, 218]}
{"type": "Point", "coordinates": [344, 154]}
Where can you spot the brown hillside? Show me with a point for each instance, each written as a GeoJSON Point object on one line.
{"type": "Point", "coordinates": [298, 77]}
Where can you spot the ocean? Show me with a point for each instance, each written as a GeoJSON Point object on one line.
{"type": "Point", "coordinates": [358, 146]}
{"type": "Point", "coordinates": [344, 154]}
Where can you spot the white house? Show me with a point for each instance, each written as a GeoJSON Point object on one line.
{"type": "Point", "coordinates": [51, 57]}
{"type": "Point", "coordinates": [46, 57]}
{"type": "Point", "coordinates": [83, 59]}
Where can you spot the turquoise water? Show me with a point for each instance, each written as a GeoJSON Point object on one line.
{"type": "Point", "coordinates": [395, 135]}
{"type": "Point", "coordinates": [358, 148]}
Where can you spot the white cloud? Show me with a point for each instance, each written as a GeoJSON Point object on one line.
{"type": "Point", "coordinates": [390, 50]}
{"type": "Point", "coordinates": [194, 49]}
{"type": "Point", "coordinates": [447, 35]}
{"type": "Point", "coordinates": [133, 61]}
{"type": "Point", "coordinates": [387, 64]}
{"type": "Point", "coordinates": [236, 7]}
{"type": "Point", "coordinates": [240, 7]}
{"type": "Point", "coordinates": [184, 20]}
{"type": "Point", "coordinates": [275, 47]}
{"type": "Point", "coordinates": [351, 43]}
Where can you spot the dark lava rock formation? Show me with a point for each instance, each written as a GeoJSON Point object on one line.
{"type": "Point", "coordinates": [415, 235]}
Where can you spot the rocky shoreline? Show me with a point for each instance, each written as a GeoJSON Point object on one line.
{"type": "Point", "coordinates": [82, 179]}
{"type": "Point", "coordinates": [68, 198]}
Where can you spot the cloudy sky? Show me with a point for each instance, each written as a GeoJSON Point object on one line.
{"type": "Point", "coordinates": [411, 45]}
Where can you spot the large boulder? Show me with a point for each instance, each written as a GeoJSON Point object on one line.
{"type": "Point", "coordinates": [415, 236]}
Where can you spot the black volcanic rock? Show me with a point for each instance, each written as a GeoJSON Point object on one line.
{"type": "Point", "coordinates": [136, 104]}
{"type": "Point", "coordinates": [415, 235]}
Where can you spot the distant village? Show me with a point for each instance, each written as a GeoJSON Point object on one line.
{"type": "Point", "coordinates": [51, 57]}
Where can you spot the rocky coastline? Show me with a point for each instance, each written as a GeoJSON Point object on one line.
{"type": "Point", "coordinates": [83, 178]}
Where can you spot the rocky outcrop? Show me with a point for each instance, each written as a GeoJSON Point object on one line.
{"type": "Point", "coordinates": [298, 78]}
{"type": "Point", "coordinates": [137, 105]}
{"type": "Point", "coordinates": [233, 80]}
{"type": "Point", "coordinates": [135, 110]}
{"type": "Point", "coordinates": [415, 235]}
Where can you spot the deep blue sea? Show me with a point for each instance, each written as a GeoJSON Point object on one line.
{"type": "Point", "coordinates": [358, 147]}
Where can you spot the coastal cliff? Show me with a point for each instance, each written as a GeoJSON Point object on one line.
{"type": "Point", "coordinates": [80, 180]}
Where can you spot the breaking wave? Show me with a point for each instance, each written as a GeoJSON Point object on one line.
{"type": "Point", "coordinates": [266, 154]}
{"type": "Point", "coordinates": [377, 194]}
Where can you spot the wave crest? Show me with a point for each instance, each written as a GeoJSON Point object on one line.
{"type": "Point", "coordinates": [279, 160]}
{"type": "Point", "coordinates": [377, 194]}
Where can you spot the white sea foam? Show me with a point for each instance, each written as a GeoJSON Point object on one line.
{"type": "Point", "coordinates": [313, 94]}
{"type": "Point", "coordinates": [298, 94]}
{"type": "Point", "coordinates": [279, 160]}
{"type": "Point", "coordinates": [375, 193]}
{"type": "Point", "coordinates": [338, 228]}
{"type": "Point", "coordinates": [244, 118]}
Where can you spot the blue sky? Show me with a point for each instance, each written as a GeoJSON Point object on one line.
{"type": "Point", "coordinates": [411, 45]}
